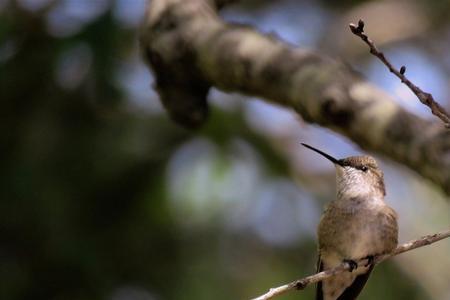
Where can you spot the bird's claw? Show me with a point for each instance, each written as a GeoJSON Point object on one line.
{"type": "Point", "coordinates": [351, 263]}
{"type": "Point", "coordinates": [370, 259]}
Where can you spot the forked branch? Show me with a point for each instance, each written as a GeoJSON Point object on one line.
{"type": "Point", "coordinates": [300, 284]}
{"type": "Point", "coordinates": [424, 97]}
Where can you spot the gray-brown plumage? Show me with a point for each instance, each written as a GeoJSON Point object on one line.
{"type": "Point", "coordinates": [357, 224]}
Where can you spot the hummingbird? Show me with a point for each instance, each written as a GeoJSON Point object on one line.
{"type": "Point", "coordinates": [357, 224]}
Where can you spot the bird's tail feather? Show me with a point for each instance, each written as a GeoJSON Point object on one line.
{"type": "Point", "coordinates": [351, 292]}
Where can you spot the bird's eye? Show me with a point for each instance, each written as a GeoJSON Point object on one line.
{"type": "Point", "coordinates": [364, 168]}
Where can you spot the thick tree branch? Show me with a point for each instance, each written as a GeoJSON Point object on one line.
{"type": "Point", "coordinates": [424, 97]}
{"type": "Point", "coordinates": [302, 283]}
{"type": "Point", "coordinates": [190, 49]}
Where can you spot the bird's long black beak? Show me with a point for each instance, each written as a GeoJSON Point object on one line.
{"type": "Point", "coordinates": [327, 156]}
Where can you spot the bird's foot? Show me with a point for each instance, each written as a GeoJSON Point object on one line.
{"type": "Point", "coordinates": [370, 259]}
{"type": "Point", "coordinates": [351, 263]}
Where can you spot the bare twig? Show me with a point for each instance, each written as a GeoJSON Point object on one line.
{"type": "Point", "coordinates": [424, 97]}
{"type": "Point", "coordinates": [300, 284]}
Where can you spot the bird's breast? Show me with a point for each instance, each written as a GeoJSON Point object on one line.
{"type": "Point", "coordinates": [355, 231]}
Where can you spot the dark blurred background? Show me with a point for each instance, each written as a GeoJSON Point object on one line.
{"type": "Point", "coordinates": [103, 197]}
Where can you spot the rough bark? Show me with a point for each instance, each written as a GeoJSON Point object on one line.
{"type": "Point", "coordinates": [190, 49]}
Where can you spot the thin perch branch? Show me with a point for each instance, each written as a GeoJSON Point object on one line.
{"type": "Point", "coordinates": [424, 97]}
{"type": "Point", "coordinates": [300, 284]}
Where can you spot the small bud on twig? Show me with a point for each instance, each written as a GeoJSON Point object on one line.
{"type": "Point", "coordinates": [357, 29]}
{"type": "Point", "coordinates": [402, 70]}
{"type": "Point", "coordinates": [353, 28]}
{"type": "Point", "coordinates": [361, 25]}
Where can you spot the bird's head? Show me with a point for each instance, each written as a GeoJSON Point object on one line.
{"type": "Point", "coordinates": [356, 176]}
